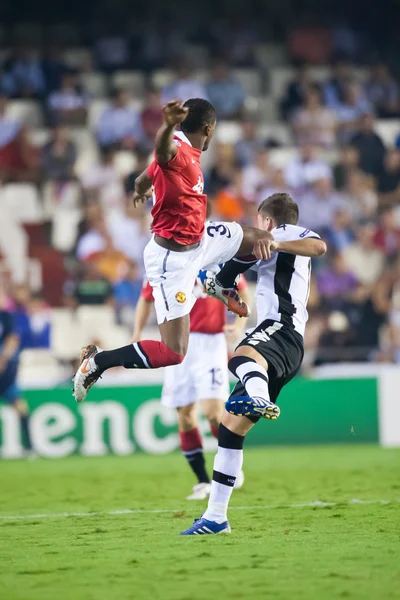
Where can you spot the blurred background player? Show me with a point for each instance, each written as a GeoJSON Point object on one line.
{"type": "Point", "coordinates": [269, 356]}
{"type": "Point", "coordinates": [181, 245]}
{"type": "Point", "coordinates": [201, 379]}
{"type": "Point", "coordinates": [9, 361]}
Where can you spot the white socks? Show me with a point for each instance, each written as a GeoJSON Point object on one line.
{"type": "Point", "coordinates": [227, 466]}
{"type": "Point", "coordinates": [254, 378]}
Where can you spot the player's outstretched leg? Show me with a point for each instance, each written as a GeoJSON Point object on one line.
{"type": "Point", "coordinates": [147, 354]}
{"type": "Point", "coordinates": [227, 466]}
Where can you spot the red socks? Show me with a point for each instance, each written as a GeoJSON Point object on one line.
{"type": "Point", "coordinates": [190, 440]}
{"type": "Point", "coordinates": [214, 430]}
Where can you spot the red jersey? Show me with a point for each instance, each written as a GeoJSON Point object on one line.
{"type": "Point", "coordinates": [180, 207]}
{"type": "Point", "coordinates": [208, 315]}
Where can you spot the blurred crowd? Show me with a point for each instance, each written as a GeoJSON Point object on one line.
{"type": "Point", "coordinates": [344, 176]}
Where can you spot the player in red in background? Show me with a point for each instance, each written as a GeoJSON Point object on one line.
{"type": "Point", "coordinates": [182, 243]}
{"type": "Point", "coordinates": [201, 379]}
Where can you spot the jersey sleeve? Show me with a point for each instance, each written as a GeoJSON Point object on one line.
{"type": "Point", "coordinates": [151, 169]}
{"type": "Point", "coordinates": [179, 161]}
{"type": "Point", "coordinates": [147, 292]}
{"type": "Point", "coordinates": [290, 233]}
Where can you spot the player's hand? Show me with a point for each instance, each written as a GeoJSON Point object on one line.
{"type": "Point", "coordinates": [262, 249]}
{"type": "Point", "coordinates": [174, 112]}
{"type": "Point", "coordinates": [136, 198]}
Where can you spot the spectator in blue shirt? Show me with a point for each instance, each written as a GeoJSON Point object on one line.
{"type": "Point", "coordinates": [23, 75]}
{"type": "Point", "coordinates": [383, 92]}
{"type": "Point", "coordinates": [119, 125]}
{"type": "Point", "coordinates": [225, 92]}
{"type": "Point", "coordinates": [127, 291]}
{"type": "Point", "coordinates": [184, 87]}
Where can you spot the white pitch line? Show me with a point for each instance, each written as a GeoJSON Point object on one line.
{"type": "Point", "coordinates": [128, 511]}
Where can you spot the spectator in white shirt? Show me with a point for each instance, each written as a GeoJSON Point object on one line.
{"type": "Point", "coordinates": [306, 168]}
{"type": "Point", "coordinates": [255, 177]}
{"type": "Point", "coordinates": [68, 105]}
{"type": "Point", "coordinates": [313, 123]}
{"type": "Point", "coordinates": [9, 128]}
{"type": "Point", "coordinates": [318, 206]}
{"type": "Point", "coordinates": [102, 182]}
{"type": "Point", "coordinates": [119, 125]}
{"type": "Point", "coordinates": [130, 232]}
{"type": "Point", "coordinates": [184, 86]}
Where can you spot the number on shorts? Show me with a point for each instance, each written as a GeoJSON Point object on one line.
{"type": "Point", "coordinates": [222, 229]}
{"type": "Point", "coordinates": [216, 377]}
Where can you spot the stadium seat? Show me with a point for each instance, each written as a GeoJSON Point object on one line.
{"type": "Point", "coordinates": [84, 139]}
{"type": "Point", "coordinates": [95, 84]}
{"type": "Point", "coordinates": [40, 365]}
{"type": "Point", "coordinates": [96, 108]}
{"type": "Point", "coordinates": [26, 111]}
{"type": "Point", "coordinates": [65, 226]}
{"type": "Point", "coordinates": [66, 336]}
{"type": "Point", "coordinates": [114, 337]}
{"type": "Point", "coordinates": [78, 58]}
{"type": "Point", "coordinates": [40, 137]}
{"type": "Point", "coordinates": [389, 130]}
{"type": "Point", "coordinates": [13, 246]}
{"type": "Point", "coordinates": [228, 132]}
{"type": "Point", "coordinates": [85, 161]}
{"type": "Point", "coordinates": [278, 131]}
{"type": "Point", "coordinates": [60, 197]}
{"type": "Point", "coordinates": [125, 162]}
{"type": "Point", "coordinates": [134, 81]}
{"type": "Point", "coordinates": [22, 201]}
{"type": "Point", "coordinates": [250, 80]}
{"type": "Point", "coordinates": [162, 77]}
{"type": "Point", "coordinates": [93, 320]}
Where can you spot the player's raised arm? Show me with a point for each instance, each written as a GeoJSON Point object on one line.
{"type": "Point", "coordinates": [173, 113]}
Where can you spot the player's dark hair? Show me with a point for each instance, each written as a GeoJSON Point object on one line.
{"type": "Point", "coordinates": [281, 208]}
{"type": "Point", "coordinates": [201, 113]}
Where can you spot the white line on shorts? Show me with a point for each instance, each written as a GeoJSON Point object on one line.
{"type": "Point", "coordinates": [128, 511]}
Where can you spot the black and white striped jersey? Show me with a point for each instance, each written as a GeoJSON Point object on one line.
{"type": "Point", "coordinates": [283, 283]}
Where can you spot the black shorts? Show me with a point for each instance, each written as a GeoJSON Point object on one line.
{"type": "Point", "coordinates": [283, 349]}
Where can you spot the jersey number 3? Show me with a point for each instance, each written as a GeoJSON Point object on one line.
{"type": "Point", "coordinates": [220, 229]}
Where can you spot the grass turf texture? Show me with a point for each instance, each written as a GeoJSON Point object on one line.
{"type": "Point", "coordinates": [343, 551]}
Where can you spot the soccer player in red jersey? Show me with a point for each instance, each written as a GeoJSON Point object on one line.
{"type": "Point", "coordinates": [182, 243]}
{"type": "Point", "coordinates": [201, 379]}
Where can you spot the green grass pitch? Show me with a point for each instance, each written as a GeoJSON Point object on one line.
{"type": "Point", "coordinates": [276, 550]}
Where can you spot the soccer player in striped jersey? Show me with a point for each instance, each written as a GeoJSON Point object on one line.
{"type": "Point", "coordinates": [269, 356]}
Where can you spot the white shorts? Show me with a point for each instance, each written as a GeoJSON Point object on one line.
{"type": "Point", "coordinates": [172, 274]}
{"type": "Point", "coordinates": [203, 374]}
